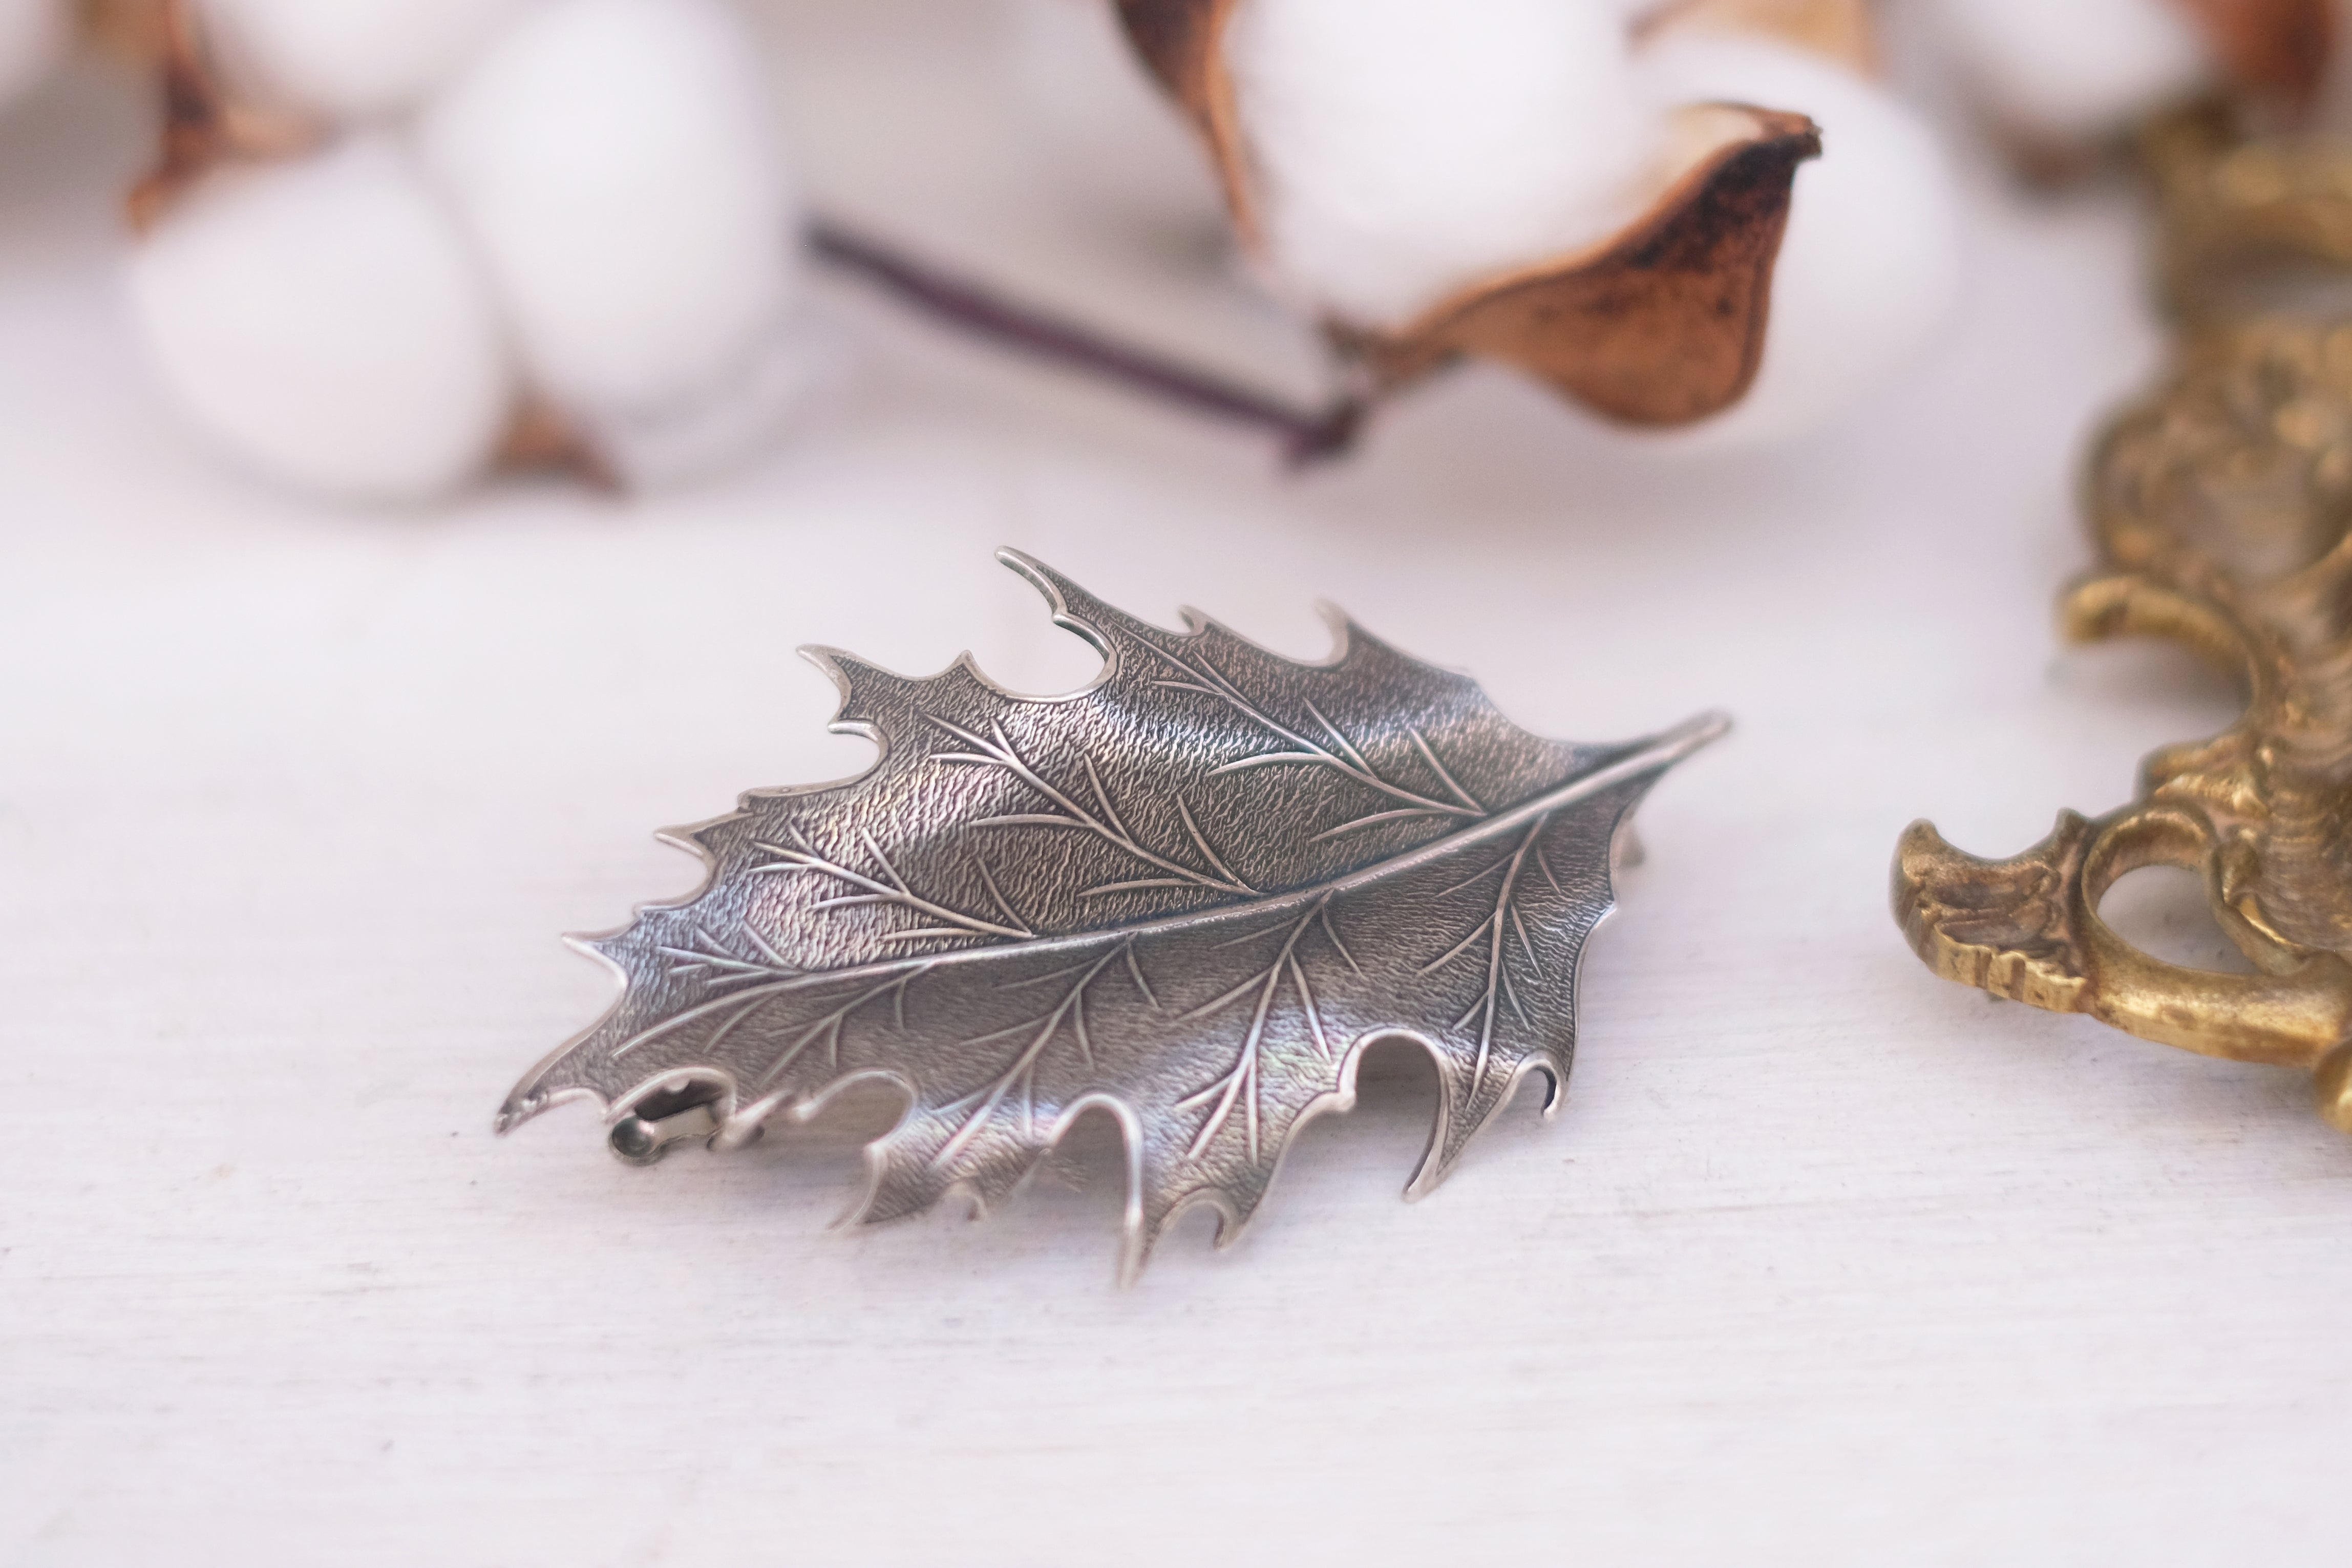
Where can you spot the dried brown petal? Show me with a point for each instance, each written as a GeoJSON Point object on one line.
{"type": "Point", "coordinates": [1662, 324]}
{"type": "Point", "coordinates": [2277, 47]}
{"type": "Point", "coordinates": [1841, 29]}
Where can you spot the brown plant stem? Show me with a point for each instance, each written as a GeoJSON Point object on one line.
{"type": "Point", "coordinates": [1306, 436]}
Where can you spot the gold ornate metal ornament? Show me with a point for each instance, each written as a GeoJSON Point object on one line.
{"type": "Point", "coordinates": [2221, 507]}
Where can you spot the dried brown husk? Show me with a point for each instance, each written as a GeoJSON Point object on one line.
{"type": "Point", "coordinates": [205, 125]}
{"type": "Point", "coordinates": [1661, 324]}
{"type": "Point", "coordinates": [541, 439]}
{"type": "Point", "coordinates": [1182, 44]}
{"type": "Point", "coordinates": [1665, 322]}
{"type": "Point", "coordinates": [2268, 48]}
{"type": "Point", "coordinates": [127, 29]}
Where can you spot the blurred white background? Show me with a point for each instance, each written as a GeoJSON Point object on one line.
{"type": "Point", "coordinates": [1826, 1261]}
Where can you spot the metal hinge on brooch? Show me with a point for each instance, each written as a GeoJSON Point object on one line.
{"type": "Point", "coordinates": [2221, 507]}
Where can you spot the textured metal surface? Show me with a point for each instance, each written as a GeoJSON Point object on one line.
{"type": "Point", "coordinates": [1189, 894]}
{"type": "Point", "coordinates": [2222, 506]}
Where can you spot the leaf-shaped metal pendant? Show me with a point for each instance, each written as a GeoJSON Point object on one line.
{"type": "Point", "coordinates": [1189, 894]}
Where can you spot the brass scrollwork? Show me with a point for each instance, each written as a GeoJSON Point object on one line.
{"type": "Point", "coordinates": [2221, 507]}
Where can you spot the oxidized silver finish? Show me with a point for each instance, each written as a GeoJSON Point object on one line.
{"type": "Point", "coordinates": [1189, 894]}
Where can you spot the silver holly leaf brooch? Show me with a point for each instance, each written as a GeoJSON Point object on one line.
{"type": "Point", "coordinates": [1190, 895]}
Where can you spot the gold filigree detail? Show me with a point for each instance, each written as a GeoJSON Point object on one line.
{"type": "Point", "coordinates": [2221, 507]}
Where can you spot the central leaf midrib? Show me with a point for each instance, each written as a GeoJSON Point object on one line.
{"type": "Point", "coordinates": [1643, 756]}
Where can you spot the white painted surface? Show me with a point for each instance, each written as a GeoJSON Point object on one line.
{"type": "Point", "coordinates": [1826, 1261]}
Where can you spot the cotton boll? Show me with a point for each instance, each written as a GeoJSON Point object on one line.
{"type": "Point", "coordinates": [348, 60]}
{"type": "Point", "coordinates": [1869, 267]}
{"type": "Point", "coordinates": [1097, 125]}
{"type": "Point", "coordinates": [1402, 150]}
{"type": "Point", "coordinates": [616, 160]}
{"type": "Point", "coordinates": [33, 34]}
{"type": "Point", "coordinates": [323, 320]}
{"type": "Point", "coordinates": [2073, 70]}
{"type": "Point", "coordinates": [729, 415]}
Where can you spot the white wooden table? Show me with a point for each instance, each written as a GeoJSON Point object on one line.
{"type": "Point", "coordinates": [1825, 1262]}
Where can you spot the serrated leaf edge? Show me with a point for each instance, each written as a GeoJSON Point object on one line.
{"type": "Point", "coordinates": [738, 1123]}
{"type": "Point", "coordinates": [737, 1120]}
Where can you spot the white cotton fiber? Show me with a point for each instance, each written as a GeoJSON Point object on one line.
{"type": "Point", "coordinates": [33, 34]}
{"type": "Point", "coordinates": [350, 59]}
{"type": "Point", "coordinates": [1403, 149]}
{"type": "Point", "coordinates": [616, 160]}
{"type": "Point", "coordinates": [730, 414]}
{"type": "Point", "coordinates": [2073, 70]}
{"type": "Point", "coordinates": [1869, 268]}
{"type": "Point", "coordinates": [323, 320]}
{"type": "Point", "coordinates": [1099, 127]}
